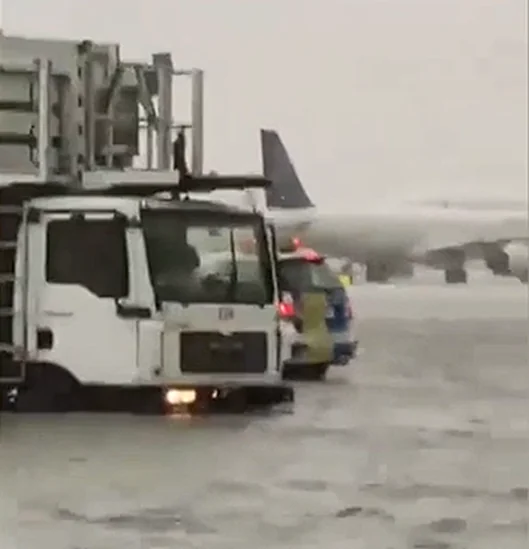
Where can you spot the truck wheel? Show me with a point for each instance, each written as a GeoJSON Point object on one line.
{"type": "Point", "coordinates": [270, 397]}
{"type": "Point", "coordinates": [305, 372]}
{"type": "Point", "coordinates": [320, 372]}
{"type": "Point", "coordinates": [47, 390]}
{"type": "Point", "coordinates": [315, 372]}
{"type": "Point", "coordinates": [235, 401]}
{"type": "Point", "coordinates": [32, 401]}
{"type": "Point", "coordinates": [147, 403]}
{"type": "Point", "coordinates": [7, 399]}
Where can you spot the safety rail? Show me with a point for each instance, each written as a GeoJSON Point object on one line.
{"type": "Point", "coordinates": [80, 120]}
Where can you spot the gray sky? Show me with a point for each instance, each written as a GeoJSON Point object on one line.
{"type": "Point", "coordinates": [373, 98]}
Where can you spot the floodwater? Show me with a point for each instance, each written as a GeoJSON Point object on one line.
{"type": "Point", "coordinates": [422, 443]}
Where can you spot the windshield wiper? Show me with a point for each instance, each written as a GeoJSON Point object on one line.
{"type": "Point", "coordinates": [234, 275]}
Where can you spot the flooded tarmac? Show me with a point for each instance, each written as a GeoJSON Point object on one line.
{"type": "Point", "coordinates": [422, 443]}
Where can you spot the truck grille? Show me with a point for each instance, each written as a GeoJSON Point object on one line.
{"type": "Point", "coordinates": [215, 353]}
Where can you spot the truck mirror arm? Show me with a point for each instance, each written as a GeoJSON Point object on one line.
{"type": "Point", "coordinates": [130, 310]}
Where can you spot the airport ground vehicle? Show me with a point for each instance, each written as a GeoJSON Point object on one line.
{"type": "Point", "coordinates": [106, 308]}
{"type": "Point", "coordinates": [101, 304]}
{"type": "Point", "coordinates": [319, 309]}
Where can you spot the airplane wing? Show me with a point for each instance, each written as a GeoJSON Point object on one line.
{"type": "Point", "coordinates": [480, 239]}
{"type": "Point", "coordinates": [437, 254]}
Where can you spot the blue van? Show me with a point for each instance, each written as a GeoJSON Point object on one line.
{"type": "Point", "coordinates": [320, 311]}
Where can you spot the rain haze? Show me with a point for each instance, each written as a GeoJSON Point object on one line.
{"type": "Point", "coordinates": [376, 100]}
{"type": "Point", "coordinates": [422, 441]}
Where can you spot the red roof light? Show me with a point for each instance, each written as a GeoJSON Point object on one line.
{"type": "Point", "coordinates": [311, 255]}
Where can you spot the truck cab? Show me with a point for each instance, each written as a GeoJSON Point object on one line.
{"type": "Point", "coordinates": [109, 294]}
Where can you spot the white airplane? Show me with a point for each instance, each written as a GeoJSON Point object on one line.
{"type": "Point", "coordinates": [389, 241]}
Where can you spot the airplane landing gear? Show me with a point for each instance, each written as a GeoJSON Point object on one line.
{"type": "Point", "coordinates": [377, 272]}
{"type": "Point", "coordinates": [455, 272]}
{"type": "Point", "coordinates": [456, 276]}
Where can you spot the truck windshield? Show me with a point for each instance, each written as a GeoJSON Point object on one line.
{"type": "Point", "coordinates": [182, 248]}
{"type": "Point", "coordinates": [307, 275]}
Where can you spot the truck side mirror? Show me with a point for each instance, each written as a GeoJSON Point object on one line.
{"type": "Point", "coordinates": [130, 310]}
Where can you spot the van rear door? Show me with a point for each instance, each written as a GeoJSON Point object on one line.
{"type": "Point", "coordinates": [301, 275]}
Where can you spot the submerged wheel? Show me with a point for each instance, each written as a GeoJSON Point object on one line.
{"type": "Point", "coordinates": [148, 403]}
{"type": "Point", "coordinates": [320, 372]}
{"type": "Point", "coordinates": [7, 398]}
{"type": "Point", "coordinates": [269, 397]}
{"type": "Point", "coordinates": [43, 400]}
{"type": "Point", "coordinates": [306, 372]}
{"type": "Point", "coordinates": [48, 389]}
{"type": "Point", "coordinates": [236, 401]}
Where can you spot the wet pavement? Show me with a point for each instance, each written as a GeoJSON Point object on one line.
{"type": "Point", "coordinates": [423, 443]}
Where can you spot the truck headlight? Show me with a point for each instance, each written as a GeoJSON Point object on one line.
{"type": "Point", "coordinates": [175, 397]}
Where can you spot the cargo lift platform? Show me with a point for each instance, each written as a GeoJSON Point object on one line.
{"type": "Point", "coordinates": [76, 112]}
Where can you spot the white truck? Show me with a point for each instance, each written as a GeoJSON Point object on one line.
{"type": "Point", "coordinates": [102, 302]}
{"type": "Point", "coordinates": [105, 306]}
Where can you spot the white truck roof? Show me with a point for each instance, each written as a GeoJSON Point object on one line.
{"type": "Point", "coordinates": [128, 204]}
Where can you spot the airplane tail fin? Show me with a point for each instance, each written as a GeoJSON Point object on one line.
{"type": "Point", "coordinates": [287, 191]}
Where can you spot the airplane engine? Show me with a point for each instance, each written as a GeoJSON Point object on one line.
{"type": "Point", "coordinates": [497, 260]}
{"type": "Point", "coordinates": [518, 260]}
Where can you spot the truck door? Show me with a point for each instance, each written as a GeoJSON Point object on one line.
{"type": "Point", "coordinates": [80, 323]}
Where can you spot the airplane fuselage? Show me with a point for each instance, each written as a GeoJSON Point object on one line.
{"type": "Point", "coordinates": [388, 239]}
{"type": "Point", "coordinates": [382, 235]}
{"type": "Point", "coordinates": [291, 223]}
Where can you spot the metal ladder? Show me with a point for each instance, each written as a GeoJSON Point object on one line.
{"type": "Point", "coordinates": [11, 372]}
